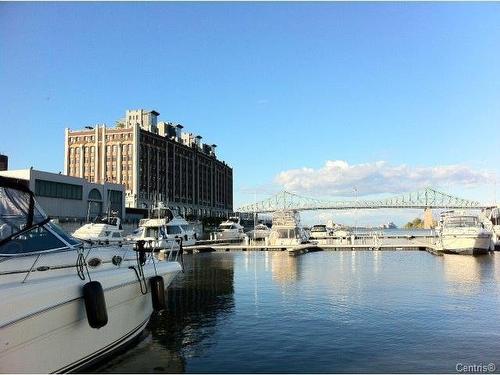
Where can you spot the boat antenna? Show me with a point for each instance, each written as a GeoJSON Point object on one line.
{"type": "Point", "coordinates": [255, 211]}
{"type": "Point", "coordinates": [109, 204]}
{"type": "Point", "coordinates": [88, 211]}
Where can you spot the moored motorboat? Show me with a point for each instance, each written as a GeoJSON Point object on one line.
{"type": "Point", "coordinates": [164, 228]}
{"type": "Point", "coordinates": [462, 233]}
{"type": "Point", "coordinates": [492, 222]}
{"type": "Point", "coordinates": [319, 232]}
{"type": "Point", "coordinates": [106, 229]}
{"type": "Point", "coordinates": [260, 232]}
{"type": "Point", "coordinates": [65, 306]}
{"type": "Point", "coordinates": [230, 230]}
{"type": "Point", "coordinates": [286, 229]}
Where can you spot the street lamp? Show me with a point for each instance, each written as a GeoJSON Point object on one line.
{"type": "Point", "coordinates": [355, 189]}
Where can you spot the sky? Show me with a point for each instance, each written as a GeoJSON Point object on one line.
{"type": "Point", "coordinates": [320, 99]}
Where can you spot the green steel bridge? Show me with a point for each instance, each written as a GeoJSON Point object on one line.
{"type": "Point", "coordinates": [426, 199]}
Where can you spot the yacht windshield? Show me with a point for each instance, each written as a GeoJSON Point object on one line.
{"type": "Point", "coordinates": [174, 229]}
{"type": "Point", "coordinates": [318, 228]}
{"type": "Point", "coordinates": [462, 221]}
{"type": "Point", "coordinates": [106, 220]}
{"type": "Point", "coordinates": [20, 219]}
{"type": "Point", "coordinates": [287, 233]}
{"type": "Point", "coordinates": [18, 211]}
{"type": "Point", "coordinates": [155, 232]}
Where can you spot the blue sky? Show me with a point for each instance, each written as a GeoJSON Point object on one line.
{"type": "Point", "coordinates": [278, 86]}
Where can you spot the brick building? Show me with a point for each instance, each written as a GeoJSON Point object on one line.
{"type": "Point", "coordinates": [156, 161]}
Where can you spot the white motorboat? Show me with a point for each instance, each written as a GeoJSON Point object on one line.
{"type": "Point", "coordinates": [230, 230]}
{"type": "Point", "coordinates": [107, 229]}
{"type": "Point", "coordinates": [462, 233]}
{"type": "Point", "coordinates": [286, 229]}
{"type": "Point", "coordinates": [337, 231]}
{"type": "Point", "coordinates": [341, 233]}
{"type": "Point", "coordinates": [164, 228]}
{"type": "Point", "coordinates": [260, 232]}
{"type": "Point", "coordinates": [65, 306]}
{"type": "Point", "coordinates": [319, 232]}
{"type": "Point", "coordinates": [493, 223]}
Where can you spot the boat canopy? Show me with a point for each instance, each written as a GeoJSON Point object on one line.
{"type": "Point", "coordinates": [261, 227]}
{"type": "Point", "coordinates": [318, 228]}
{"type": "Point", "coordinates": [287, 218]}
{"type": "Point", "coordinates": [109, 220]}
{"type": "Point", "coordinates": [225, 226]}
{"type": "Point", "coordinates": [24, 227]}
{"type": "Point", "coordinates": [162, 212]}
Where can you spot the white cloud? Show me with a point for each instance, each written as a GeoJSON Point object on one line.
{"type": "Point", "coordinates": [338, 178]}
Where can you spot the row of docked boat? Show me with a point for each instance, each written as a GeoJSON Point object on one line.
{"type": "Point", "coordinates": [163, 227]}
{"type": "Point", "coordinates": [67, 303]}
{"type": "Point", "coordinates": [325, 232]}
{"type": "Point", "coordinates": [458, 232]}
{"type": "Point", "coordinates": [286, 230]}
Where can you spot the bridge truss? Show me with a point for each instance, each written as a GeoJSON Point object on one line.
{"type": "Point", "coordinates": [426, 199]}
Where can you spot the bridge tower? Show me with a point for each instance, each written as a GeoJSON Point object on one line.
{"type": "Point", "coordinates": [428, 221]}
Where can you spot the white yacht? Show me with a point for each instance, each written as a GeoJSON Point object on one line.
{"type": "Point", "coordinates": [286, 229]}
{"type": "Point", "coordinates": [341, 233]}
{"type": "Point", "coordinates": [165, 227]}
{"type": "Point", "coordinates": [493, 221]}
{"type": "Point", "coordinates": [65, 306]}
{"type": "Point", "coordinates": [230, 230]}
{"type": "Point", "coordinates": [107, 229]}
{"type": "Point", "coordinates": [337, 231]}
{"type": "Point", "coordinates": [319, 232]}
{"type": "Point", "coordinates": [462, 233]}
{"type": "Point", "coordinates": [260, 232]}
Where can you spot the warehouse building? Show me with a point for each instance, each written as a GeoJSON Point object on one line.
{"type": "Point", "coordinates": [155, 161]}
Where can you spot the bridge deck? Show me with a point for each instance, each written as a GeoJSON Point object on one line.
{"type": "Point", "coordinates": [425, 199]}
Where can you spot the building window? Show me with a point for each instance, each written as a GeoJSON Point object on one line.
{"type": "Point", "coordinates": [95, 195]}
{"type": "Point", "coordinates": [54, 189]}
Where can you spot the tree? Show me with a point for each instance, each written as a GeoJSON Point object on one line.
{"type": "Point", "coordinates": [416, 223]}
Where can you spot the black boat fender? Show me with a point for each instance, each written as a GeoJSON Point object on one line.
{"type": "Point", "coordinates": [157, 293]}
{"type": "Point", "coordinates": [95, 304]}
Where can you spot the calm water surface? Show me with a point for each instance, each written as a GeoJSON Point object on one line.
{"type": "Point", "coordinates": [324, 312]}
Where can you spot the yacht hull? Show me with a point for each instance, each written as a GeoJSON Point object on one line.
{"type": "Point", "coordinates": [466, 245]}
{"type": "Point", "coordinates": [229, 236]}
{"type": "Point", "coordinates": [58, 338]}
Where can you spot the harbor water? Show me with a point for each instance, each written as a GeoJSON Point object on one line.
{"type": "Point", "coordinates": [345, 311]}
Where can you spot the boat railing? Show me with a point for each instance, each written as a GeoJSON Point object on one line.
{"type": "Point", "coordinates": [174, 252]}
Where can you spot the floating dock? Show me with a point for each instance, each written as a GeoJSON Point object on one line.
{"type": "Point", "coordinates": [361, 244]}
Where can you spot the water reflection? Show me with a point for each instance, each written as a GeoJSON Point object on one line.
{"type": "Point", "coordinates": [464, 274]}
{"type": "Point", "coordinates": [376, 262]}
{"type": "Point", "coordinates": [285, 269]}
{"type": "Point", "coordinates": [198, 301]}
{"type": "Point", "coordinates": [267, 312]}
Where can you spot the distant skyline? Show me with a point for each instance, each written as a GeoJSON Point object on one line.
{"type": "Point", "coordinates": [318, 98]}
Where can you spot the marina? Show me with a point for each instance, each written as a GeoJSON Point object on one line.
{"type": "Point", "coordinates": [249, 188]}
